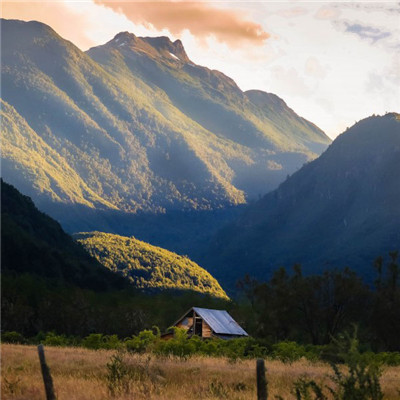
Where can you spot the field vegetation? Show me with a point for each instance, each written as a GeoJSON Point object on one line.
{"type": "Point", "coordinates": [87, 374]}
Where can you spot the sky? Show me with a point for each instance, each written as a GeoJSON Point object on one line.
{"type": "Point", "coordinates": [334, 63]}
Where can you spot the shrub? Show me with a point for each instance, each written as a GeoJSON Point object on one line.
{"type": "Point", "coordinates": [12, 337]}
{"type": "Point", "coordinates": [360, 380]}
{"type": "Point", "coordinates": [118, 375]}
{"type": "Point", "coordinates": [52, 339]}
{"type": "Point", "coordinates": [142, 342]}
{"type": "Point", "coordinates": [288, 352]}
{"type": "Point", "coordinates": [96, 341]}
{"type": "Point", "coordinates": [180, 345]}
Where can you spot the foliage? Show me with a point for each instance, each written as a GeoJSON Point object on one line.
{"type": "Point", "coordinates": [386, 303]}
{"type": "Point", "coordinates": [12, 337]}
{"type": "Point", "coordinates": [359, 381]}
{"type": "Point", "coordinates": [52, 339]}
{"type": "Point", "coordinates": [147, 266]}
{"type": "Point", "coordinates": [118, 375]}
{"type": "Point", "coordinates": [316, 308]}
{"type": "Point", "coordinates": [142, 342]}
{"type": "Point", "coordinates": [292, 351]}
{"type": "Point", "coordinates": [31, 304]}
{"type": "Point", "coordinates": [123, 376]}
{"type": "Point", "coordinates": [96, 341]}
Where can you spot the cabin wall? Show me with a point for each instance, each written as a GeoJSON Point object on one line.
{"type": "Point", "coordinates": [207, 332]}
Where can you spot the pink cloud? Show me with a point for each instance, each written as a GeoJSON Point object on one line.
{"type": "Point", "coordinates": [201, 19]}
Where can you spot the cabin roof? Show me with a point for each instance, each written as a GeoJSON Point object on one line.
{"type": "Point", "coordinates": [220, 321]}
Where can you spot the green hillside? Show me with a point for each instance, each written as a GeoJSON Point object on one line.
{"type": "Point", "coordinates": [50, 283]}
{"type": "Point", "coordinates": [342, 209]}
{"type": "Point", "coordinates": [136, 127]}
{"type": "Point", "coordinates": [33, 243]}
{"type": "Point", "coordinates": [147, 266]}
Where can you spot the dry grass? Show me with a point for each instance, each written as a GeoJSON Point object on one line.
{"type": "Point", "coordinates": [81, 374]}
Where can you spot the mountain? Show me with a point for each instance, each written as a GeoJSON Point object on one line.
{"type": "Point", "coordinates": [134, 125]}
{"type": "Point", "coordinates": [147, 266]}
{"type": "Point", "coordinates": [342, 209]}
{"type": "Point", "coordinates": [33, 243]}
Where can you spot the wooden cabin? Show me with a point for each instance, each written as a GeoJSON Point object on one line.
{"type": "Point", "coordinates": [208, 323]}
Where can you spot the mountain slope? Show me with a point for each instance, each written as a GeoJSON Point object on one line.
{"type": "Point", "coordinates": [33, 243]}
{"type": "Point", "coordinates": [115, 129]}
{"type": "Point", "coordinates": [147, 266]}
{"type": "Point", "coordinates": [215, 102]}
{"type": "Point", "coordinates": [341, 209]}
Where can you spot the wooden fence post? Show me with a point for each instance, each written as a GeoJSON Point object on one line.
{"type": "Point", "coordinates": [262, 392]}
{"type": "Point", "coordinates": [48, 381]}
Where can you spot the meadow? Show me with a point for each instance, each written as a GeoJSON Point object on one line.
{"type": "Point", "coordinates": [82, 374]}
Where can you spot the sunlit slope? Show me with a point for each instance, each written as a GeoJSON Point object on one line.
{"type": "Point", "coordinates": [119, 139]}
{"type": "Point", "coordinates": [147, 266]}
{"type": "Point", "coordinates": [29, 159]}
{"type": "Point", "coordinates": [277, 140]}
{"type": "Point", "coordinates": [342, 209]}
{"type": "Point", "coordinates": [117, 142]}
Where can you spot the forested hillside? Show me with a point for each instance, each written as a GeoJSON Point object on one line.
{"type": "Point", "coordinates": [33, 243]}
{"type": "Point", "coordinates": [50, 282]}
{"type": "Point", "coordinates": [343, 209]}
{"type": "Point", "coordinates": [147, 266]}
{"type": "Point", "coordinates": [134, 126]}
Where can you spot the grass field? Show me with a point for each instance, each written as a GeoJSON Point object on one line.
{"type": "Point", "coordinates": [82, 374]}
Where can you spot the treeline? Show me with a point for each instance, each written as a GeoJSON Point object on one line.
{"type": "Point", "coordinates": [31, 304]}
{"type": "Point", "coordinates": [308, 310]}
{"type": "Point", "coordinates": [317, 308]}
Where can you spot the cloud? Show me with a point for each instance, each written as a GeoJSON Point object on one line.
{"type": "Point", "coordinates": [314, 68]}
{"type": "Point", "coordinates": [366, 32]}
{"type": "Point", "coordinates": [49, 13]}
{"type": "Point", "coordinates": [290, 81]}
{"type": "Point", "coordinates": [327, 13]}
{"type": "Point", "coordinates": [200, 19]}
{"type": "Point", "coordinates": [293, 12]}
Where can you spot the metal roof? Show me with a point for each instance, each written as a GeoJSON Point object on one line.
{"type": "Point", "coordinates": [220, 321]}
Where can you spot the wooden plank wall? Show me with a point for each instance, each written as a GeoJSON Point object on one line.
{"type": "Point", "coordinates": [207, 332]}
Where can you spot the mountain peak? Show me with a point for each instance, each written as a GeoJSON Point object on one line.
{"type": "Point", "coordinates": [164, 43]}
{"type": "Point", "coordinates": [157, 46]}
{"type": "Point", "coordinates": [124, 38]}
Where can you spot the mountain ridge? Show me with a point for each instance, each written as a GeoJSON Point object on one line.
{"type": "Point", "coordinates": [341, 209]}
{"type": "Point", "coordinates": [128, 131]}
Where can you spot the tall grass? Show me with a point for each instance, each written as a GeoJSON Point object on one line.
{"type": "Point", "coordinates": [83, 374]}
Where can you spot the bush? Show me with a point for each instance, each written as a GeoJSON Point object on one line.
{"type": "Point", "coordinates": [118, 375]}
{"type": "Point", "coordinates": [96, 341]}
{"type": "Point", "coordinates": [142, 342]}
{"type": "Point", "coordinates": [12, 337]}
{"type": "Point", "coordinates": [52, 339]}
{"type": "Point", "coordinates": [360, 380]}
{"type": "Point", "coordinates": [384, 358]}
{"type": "Point", "coordinates": [288, 352]}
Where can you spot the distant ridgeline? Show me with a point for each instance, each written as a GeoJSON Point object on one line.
{"type": "Point", "coordinates": [342, 209]}
{"type": "Point", "coordinates": [147, 266]}
{"type": "Point", "coordinates": [133, 125]}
